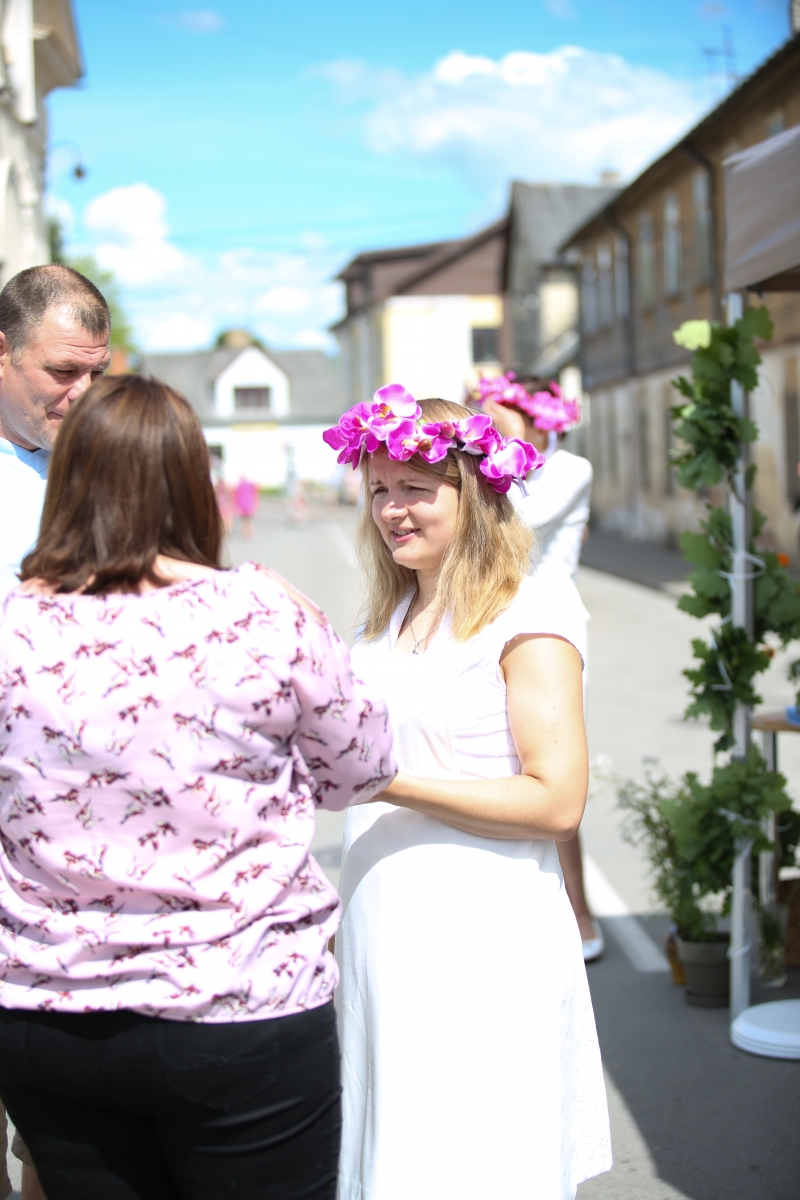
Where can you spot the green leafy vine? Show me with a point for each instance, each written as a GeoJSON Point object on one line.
{"type": "Point", "coordinates": [690, 828]}
{"type": "Point", "coordinates": [728, 664]}
{"type": "Point", "coordinates": [710, 430]}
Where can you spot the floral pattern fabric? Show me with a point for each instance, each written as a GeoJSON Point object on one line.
{"type": "Point", "coordinates": [161, 759]}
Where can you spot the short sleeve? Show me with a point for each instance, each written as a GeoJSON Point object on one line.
{"type": "Point", "coordinates": [300, 680]}
{"type": "Point", "coordinates": [546, 603]}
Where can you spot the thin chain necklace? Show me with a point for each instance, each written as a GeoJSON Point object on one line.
{"type": "Point", "coordinates": [425, 636]}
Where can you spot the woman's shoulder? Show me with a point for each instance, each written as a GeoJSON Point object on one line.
{"type": "Point", "coordinates": [570, 466]}
{"type": "Point", "coordinates": [546, 602]}
{"type": "Point", "coordinates": [264, 580]}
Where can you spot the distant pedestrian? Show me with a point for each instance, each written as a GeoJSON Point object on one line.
{"type": "Point", "coordinates": [170, 729]}
{"type": "Point", "coordinates": [556, 505]}
{"type": "Point", "coordinates": [225, 501]}
{"type": "Point", "coordinates": [299, 507]}
{"type": "Point", "coordinates": [471, 1066]}
{"type": "Point", "coordinates": [245, 499]}
{"type": "Point", "coordinates": [54, 331]}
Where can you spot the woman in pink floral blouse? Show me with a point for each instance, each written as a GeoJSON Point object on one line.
{"type": "Point", "coordinates": [167, 730]}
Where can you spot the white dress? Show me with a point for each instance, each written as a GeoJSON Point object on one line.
{"type": "Point", "coordinates": [471, 1067]}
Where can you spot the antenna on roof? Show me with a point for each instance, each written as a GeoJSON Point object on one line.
{"type": "Point", "coordinates": [727, 53]}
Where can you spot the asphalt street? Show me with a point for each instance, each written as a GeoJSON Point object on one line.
{"type": "Point", "coordinates": [692, 1117]}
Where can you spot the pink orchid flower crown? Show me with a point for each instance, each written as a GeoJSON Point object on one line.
{"type": "Point", "coordinates": [549, 410]}
{"type": "Point", "coordinates": [394, 420]}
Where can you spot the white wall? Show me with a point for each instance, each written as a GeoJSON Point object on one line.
{"type": "Point", "coordinates": [260, 453]}
{"type": "Point", "coordinates": [428, 344]}
{"type": "Point", "coordinates": [251, 368]}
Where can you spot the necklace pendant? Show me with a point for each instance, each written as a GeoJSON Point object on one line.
{"type": "Point", "coordinates": [416, 648]}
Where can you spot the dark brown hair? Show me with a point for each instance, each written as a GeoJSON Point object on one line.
{"type": "Point", "coordinates": [129, 480]}
{"type": "Point", "coordinates": [535, 383]}
{"type": "Point", "coordinates": [30, 293]}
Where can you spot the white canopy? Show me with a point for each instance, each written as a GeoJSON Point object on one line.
{"type": "Point", "coordinates": [762, 216]}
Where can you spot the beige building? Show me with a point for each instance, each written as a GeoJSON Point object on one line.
{"type": "Point", "coordinates": [651, 259]}
{"type": "Point", "coordinates": [40, 52]}
{"type": "Point", "coordinates": [426, 316]}
{"type": "Point", "coordinates": [433, 316]}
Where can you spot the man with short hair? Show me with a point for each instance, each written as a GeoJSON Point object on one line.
{"type": "Point", "coordinates": [54, 331]}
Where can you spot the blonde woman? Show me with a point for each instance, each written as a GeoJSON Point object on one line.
{"type": "Point", "coordinates": [471, 1064]}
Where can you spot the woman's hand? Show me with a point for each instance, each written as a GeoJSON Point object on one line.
{"type": "Point", "coordinates": [545, 710]}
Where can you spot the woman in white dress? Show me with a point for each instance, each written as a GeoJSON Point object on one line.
{"type": "Point", "coordinates": [471, 1067]}
{"type": "Point", "coordinates": [555, 504]}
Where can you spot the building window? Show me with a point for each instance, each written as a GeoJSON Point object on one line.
{"type": "Point", "coordinates": [589, 296]}
{"type": "Point", "coordinates": [484, 346]}
{"type": "Point", "coordinates": [670, 398]}
{"type": "Point", "coordinates": [611, 436]}
{"type": "Point", "coordinates": [775, 123]}
{"type": "Point", "coordinates": [621, 295]}
{"type": "Point", "coordinates": [672, 245]}
{"type": "Point", "coordinates": [596, 436]}
{"type": "Point", "coordinates": [701, 203]}
{"type": "Point", "coordinates": [251, 398]}
{"type": "Point", "coordinates": [791, 415]}
{"type": "Point", "coordinates": [605, 288]}
{"type": "Point", "coordinates": [646, 255]}
{"type": "Point", "coordinates": [643, 431]}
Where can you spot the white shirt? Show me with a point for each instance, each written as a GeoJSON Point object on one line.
{"type": "Point", "coordinates": [557, 506]}
{"type": "Point", "coordinates": [23, 481]}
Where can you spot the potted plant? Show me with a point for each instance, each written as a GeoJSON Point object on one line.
{"type": "Point", "coordinates": [697, 953]}
{"type": "Point", "coordinates": [689, 830]}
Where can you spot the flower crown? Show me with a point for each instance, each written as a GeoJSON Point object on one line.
{"type": "Point", "coordinates": [549, 410]}
{"type": "Point", "coordinates": [394, 420]}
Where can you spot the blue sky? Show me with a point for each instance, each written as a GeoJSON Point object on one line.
{"type": "Point", "coordinates": [239, 153]}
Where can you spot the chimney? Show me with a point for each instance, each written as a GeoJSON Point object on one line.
{"type": "Point", "coordinates": [794, 16]}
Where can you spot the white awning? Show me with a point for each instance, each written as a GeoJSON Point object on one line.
{"type": "Point", "coordinates": [762, 216]}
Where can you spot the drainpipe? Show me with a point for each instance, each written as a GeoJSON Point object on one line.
{"type": "Point", "coordinates": [635, 503]}
{"type": "Point", "coordinates": [630, 328]}
{"type": "Point", "coordinates": [714, 281]}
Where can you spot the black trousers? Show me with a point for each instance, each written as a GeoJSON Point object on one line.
{"type": "Point", "coordinates": [117, 1106]}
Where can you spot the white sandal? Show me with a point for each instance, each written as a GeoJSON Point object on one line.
{"type": "Point", "coordinates": [594, 947]}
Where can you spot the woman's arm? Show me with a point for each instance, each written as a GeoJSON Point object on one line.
{"type": "Point", "coordinates": [545, 709]}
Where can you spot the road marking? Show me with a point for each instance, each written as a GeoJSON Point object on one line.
{"type": "Point", "coordinates": [629, 933]}
{"type": "Point", "coordinates": [342, 543]}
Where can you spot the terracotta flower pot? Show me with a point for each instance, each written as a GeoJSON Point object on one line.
{"type": "Point", "coordinates": [707, 971]}
{"type": "Point", "coordinates": [673, 957]}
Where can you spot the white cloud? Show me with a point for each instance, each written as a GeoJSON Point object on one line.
{"type": "Point", "coordinates": [284, 300]}
{"type": "Point", "coordinates": [179, 303]}
{"type": "Point", "coordinates": [565, 115]}
{"type": "Point", "coordinates": [312, 339]}
{"type": "Point", "coordinates": [177, 331]}
{"type": "Point", "coordinates": [129, 229]}
{"type": "Point", "coordinates": [204, 20]}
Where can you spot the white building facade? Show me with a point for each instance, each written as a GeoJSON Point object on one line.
{"type": "Point", "coordinates": [263, 412]}
{"type": "Point", "coordinates": [40, 52]}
